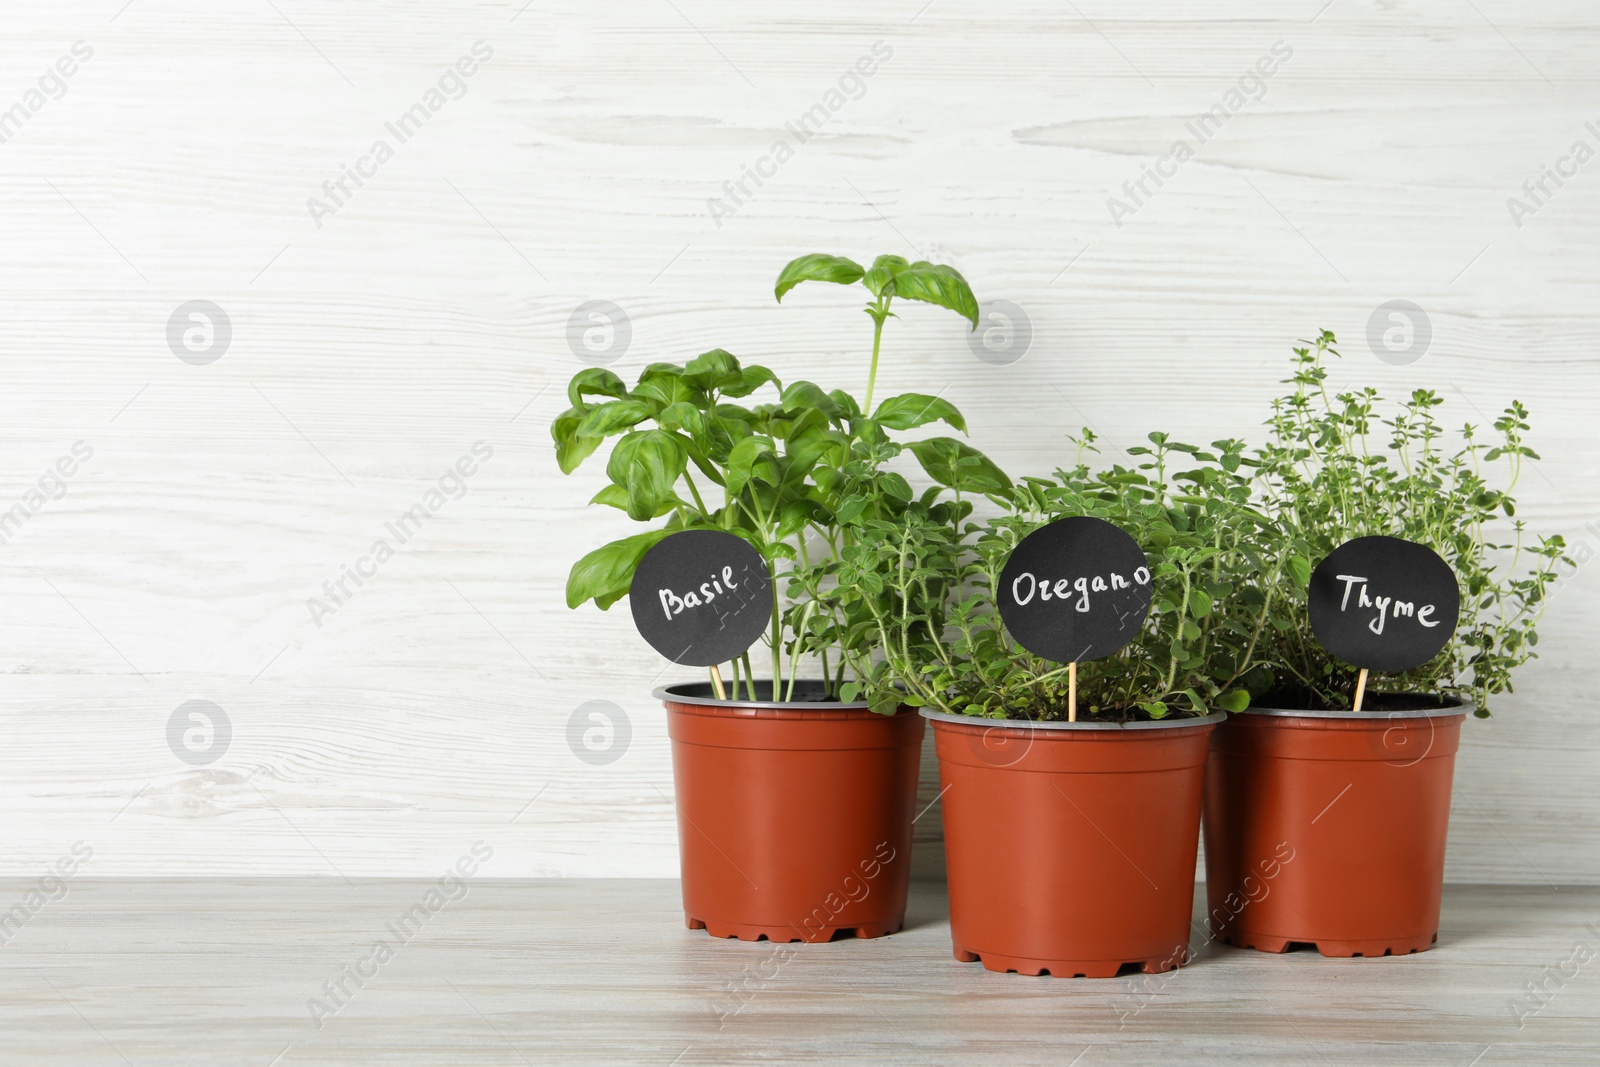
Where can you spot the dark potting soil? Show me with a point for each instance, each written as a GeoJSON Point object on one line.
{"type": "Point", "coordinates": [1118, 715]}
{"type": "Point", "coordinates": [806, 691]}
{"type": "Point", "coordinates": [1377, 703]}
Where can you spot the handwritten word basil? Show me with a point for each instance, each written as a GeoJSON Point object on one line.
{"type": "Point", "coordinates": [701, 597]}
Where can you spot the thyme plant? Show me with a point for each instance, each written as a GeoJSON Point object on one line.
{"type": "Point", "coordinates": [1343, 465]}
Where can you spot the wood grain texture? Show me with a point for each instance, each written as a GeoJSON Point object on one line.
{"type": "Point", "coordinates": [430, 311]}
{"type": "Point", "coordinates": [209, 971]}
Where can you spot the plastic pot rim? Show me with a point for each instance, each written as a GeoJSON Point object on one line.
{"type": "Point", "coordinates": [1029, 724]}
{"type": "Point", "coordinates": [1462, 706]}
{"type": "Point", "coordinates": [674, 694]}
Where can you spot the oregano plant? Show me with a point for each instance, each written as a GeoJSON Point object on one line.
{"type": "Point", "coordinates": [917, 594]}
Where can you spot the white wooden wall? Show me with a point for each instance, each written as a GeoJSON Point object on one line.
{"type": "Point", "coordinates": [430, 311]}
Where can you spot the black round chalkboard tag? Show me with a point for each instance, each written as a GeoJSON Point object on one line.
{"type": "Point", "coordinates": [701, 597]}
{"type": "Point", "coordinates": [1383, 603]}
{"type": "Point", "coordinates": [1075, 590]}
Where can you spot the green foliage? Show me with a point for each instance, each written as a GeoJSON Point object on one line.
{"type": "Point", "coordinates": [918, 583]}
{"type": "Point", "coordinates": [889, 277]}
{"type": "Point", "coordinates": [1232, 537]}
{"type": "Point", "coordinates": [817, 267]}
{"type": "Point", "coordinates": [894, 590]}
{"type": "Point", "coordinates": [1336, 468]}
{"type": "Point", "coordinates": [604, 574]}
{"type": "Point", "coordinates": [772, 471]}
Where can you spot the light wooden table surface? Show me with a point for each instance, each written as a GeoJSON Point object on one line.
{"type": "Point", "coordinates": [221, 972]}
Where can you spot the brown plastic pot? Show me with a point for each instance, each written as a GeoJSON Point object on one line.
{"type": "Point", "coordinates": [1328, 828]}
{"type": "Point", "coordinates": [1071, 846]}
{"type": "Point", "coordinates": [794, 819]}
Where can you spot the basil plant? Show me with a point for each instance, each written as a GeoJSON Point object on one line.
{"type": "Point", "coordinates": [714, 443]}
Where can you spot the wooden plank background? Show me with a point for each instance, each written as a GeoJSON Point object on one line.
{"type": "Point", "coordinates": [430, 311]}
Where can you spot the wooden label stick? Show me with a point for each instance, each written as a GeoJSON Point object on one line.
{"type": "Point", "coordinates": [1361, 689]}
{"type": "Point", "coordinates": [1072, 691]}
{"type": "Point", "coordinates": [722, 694]}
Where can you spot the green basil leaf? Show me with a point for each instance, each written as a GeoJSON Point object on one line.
{"type": "Point", "coordinates": [714, 370]}
{"type": "Point", "coordinates": [572, 449]}
{"type": "Point", "coordinates": [575, 450]}
{"type": "Point", "coordinates": [909, 410]}
{"type": "Point", "coordinates": [683, 416]}
{"type": "Point", "coordinates": [796, 514]}
{"type": "Point", "coordinates": [802, 395]}
{"type": "Point", "coordinates": [751, 379]}
{"type": "Point", "coordinates": [648, 463]}
{"type": "Point", "coordinates": [805, 449]}
{"type": "Point", "coordinates": [660, 370]}
{"type": "Point", "coordinates": [960, 466]}
{"type": "Point", "coordinates": [607, 419]}
{"type": "Point", "coordinates": [754, 454]}
{"type": "Point", "coordinates": [934, 283]}
{"type": "Point", "coordinates": [668, 389]}
{"type": "Point", "coordinates": [848, 408]}
{"type": "Point", "coordinates": [708, 468]}
{"type": "Point", "coordinates": [616, 496]}
{"type": "Point", "coordinates": [795, 426]}
{"type": "Point", "coordinates": [595, 381]}
{"type": "Point", "coordinates": [817, 268]}
{"type": "Point", "coordinates": [605, 574]}
{"type": "Point", "coordinates": [880, 276]}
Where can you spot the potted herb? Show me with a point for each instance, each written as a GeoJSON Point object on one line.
{"type": "Point", "coordinates": [1361, 799]}
{"type": "Point", "coordinates": [1070, 845]}
{"type": "Point", "coordinates": [794, 805]}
